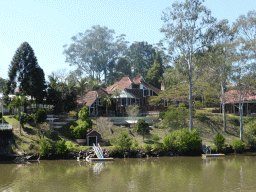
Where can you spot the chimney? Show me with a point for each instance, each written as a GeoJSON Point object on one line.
{"type": "Point", "coordinates": [162, 86]}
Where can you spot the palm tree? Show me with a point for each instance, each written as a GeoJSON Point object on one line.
{"type": "Point", "coordinates": [116, 94]}
{"type": "Point", "coordinates": [107, 100]}
{"type": "Point", "coordinates": [17, 103]}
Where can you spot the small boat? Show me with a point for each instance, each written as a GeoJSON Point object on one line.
{"type": "Point", "coordinates": [204, 156]}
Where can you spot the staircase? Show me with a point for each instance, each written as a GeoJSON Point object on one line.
{"type": "Point", "coordinates": [98, 151]}
{"type": "Point", "coordinates": [58, 121]}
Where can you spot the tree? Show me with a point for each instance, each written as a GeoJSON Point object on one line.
{"type": "Point", "coordinates": [17, 103]}
{"type": "Point", "coordinates": [155, 74]}
{"type": "Point", "coordinates": [25, 73]}
{"type": "Point", "coordinates": [124, 142]}
{"type": "Point", "coordinates": [141, 56]}
{"type": "Point", "coordinates": [219, 141]}
{"type": "Point", "coordinates": [188, 29]}
{"type": "Point", "coordinates": [39, 118]}
{"type": "Point", "coordinates": [176, 117]}
{"type": "Point", "coordinates": [107, 100]}
{"type": "Point", "coordinates": [94, 50]}
{"type": "Point", "coordinates": [115, 95]}
{"type": "Point", "coordinates": [142, 127]}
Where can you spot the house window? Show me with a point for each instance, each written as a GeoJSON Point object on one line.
{"type": "Point", "coordinates": [128, 101]}
{"type": "Point", "coordinates": [145, 92]}
{"type": "Point", "coordinates": [135, 86]}
{"type": "Point", "coordinates": [123, 101]}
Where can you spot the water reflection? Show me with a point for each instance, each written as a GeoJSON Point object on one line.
{"type": "Point", "coordinates": [152, 174]}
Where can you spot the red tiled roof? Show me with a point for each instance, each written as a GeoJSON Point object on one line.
{"type": "Point", "coordinates": [138, 93]}
{"type": "Point", "coordinates": [232, 96]}
{"type": "Point", "coordinates": [124, 83]}
{"type": "Point", "coordinates": [136, 80]}
{"type": "Point", "coordinates": [90, 97]}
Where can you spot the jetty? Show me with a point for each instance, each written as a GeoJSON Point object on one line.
{"type": "Point", "coordinates": [208, 154]}
{"type": "Point", "coordinates": [99, 153]}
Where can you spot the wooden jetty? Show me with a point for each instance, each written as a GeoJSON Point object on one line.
{"type": "Point", "coordinates": [206, 156]}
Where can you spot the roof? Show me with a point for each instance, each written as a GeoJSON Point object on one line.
{"type": "Point", "coordinates": [92, 130]}
{"type": "Point", "coordinates": [232, 96]}
{"type": "Point", "coordinates": [156, 90]}
{"type": "Point", "coordinates": [138, 93]}
{"type": "Point", "coordinates": [90, 97]}
{"type": "Point", "coordinates": [124, 83]}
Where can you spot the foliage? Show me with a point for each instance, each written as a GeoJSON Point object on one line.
{"type": "Point", "coordinates": [148, 147]}
{"type": "Point", "coordinates": [46, 146]}
{"type": "Point", "coordinates": [96, 50]}
{"type": "Point", "coordinates": [201, 116]}
{"type": "Point", "coordinates": [198, 104]}
{"type": "Point", "coordinates": [123, 141]}
{"type": "Point", "coordinates": [72, 114]}
{"type": "Point", "coordinates": [142, 127]}
{"type": "Point", "coordinates": [155, 73]}
{"type": "Point", "coordinates": [104, 125]}
{"type": "Point", "coordinates": [83, 114]}
{"type": "Point", "coordinates": [155, 138]}
{"type": "Point", "coordinates": [219, 141]}
{"type": "Point", "coordinates": [61, 146]}
{"type": "Point", "coordinates": [25, 118]}
{"type": "Point", "coordinates": [81, 129]}
{"type": "Point", "coordinates": [181, 141]}
{"type": "Point", "coordinates": [132, 110]}
{"type": "Point", "coordinates": [250, 134]}
{"type": "Point", "coordinates": [176, 117]}
{"type": "Point", "coordinates": [40, 116]}
{"type": "Point", "coordinates": [188, 29]}
{"type": "Point", "coordinates": [25, 73]}
{"type": "Point", "coordinates": [238, 145]}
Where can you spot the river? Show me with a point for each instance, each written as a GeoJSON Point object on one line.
{"type": "Point", "coordinates": [232, 173]}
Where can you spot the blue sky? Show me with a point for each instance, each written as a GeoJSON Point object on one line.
{"type": "Point", "coordinates": [47, 25]}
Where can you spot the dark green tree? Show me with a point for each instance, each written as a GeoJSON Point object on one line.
{"type": "Point", "coordinates": [26, 74]}
{"type": "Point", "coordinates": [141, 56]}
{"type": "Point", "coordinates": [155, 74]}
{"type": "Point", "coordinates": [142, 127]}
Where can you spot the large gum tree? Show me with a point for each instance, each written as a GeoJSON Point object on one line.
{"type": "Point", "coordinates": [188, 29]}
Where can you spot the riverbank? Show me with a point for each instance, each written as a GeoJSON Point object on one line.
{"type": "Point", "coordinates": [207, 123]}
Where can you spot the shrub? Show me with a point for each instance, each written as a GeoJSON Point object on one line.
{"type": "Point", "coordinates": [135, 144]}
{"type": "Point", "coordinates": [142, 127]}
{"type": "Point", "coordinates": [198, 104]}
{"type": "Point", "coordinates": [148, 147]}
{"type": "Point", "coordinates": [72, 114]}
{"type": "Point", "coordinates": [250, 134]}
{"type": "Point", "coordinates": [238, 145]}
{"type": "Point", "coordinates": [83, 114]}
{"type": "Point", "coordinates": [45, 146]}
{"type": "Point", "coordinates": [201, 117]}
{"type": "Point", "coordinates": [40, 116]}
{"type": "Point", "coordinates": [219, 141]}
{"type": "Point", "coordinates": [61, 146]}
{"type": "Point", "coordinates": [181, 141]}
{"type": "Point", "coordinates": [81, 129]}
{"type": "Point", "coordinates": [155, 138]}
{"type": "Point", "coordinates": [124, 142]}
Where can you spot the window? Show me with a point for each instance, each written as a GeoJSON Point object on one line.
{"type": "Point", "coordinates": [123, 101]}
{"type": "Point", "coordinates": [145, 92]}
{"type": "Point", "coordinates": [135, 86]}
{"type": "Point", "coordinates": [128, 101]}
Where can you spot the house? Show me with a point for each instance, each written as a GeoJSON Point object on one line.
{"type": "Point", "coordinates": [134, 91]}
{"type": "Point", "coordinates": [232, 102]}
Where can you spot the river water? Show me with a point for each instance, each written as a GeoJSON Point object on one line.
{"type": "Point", "coordinates": [232, 173]}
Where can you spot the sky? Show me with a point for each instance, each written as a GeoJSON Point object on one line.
{"type": "Point", "coordinates": [47, 25]}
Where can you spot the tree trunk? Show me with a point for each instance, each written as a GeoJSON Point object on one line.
{"type": "Point", "coordinates": [190, 101]}
{"type": "Point", "coordinates": [241, 119]}
{"type": "Point", "coordinates": [223, 108]}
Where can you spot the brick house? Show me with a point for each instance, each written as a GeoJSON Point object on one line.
{"type": "Point", "coordinates": [232, 102]}
{"type": "Point", "coordinates": [134, 91]}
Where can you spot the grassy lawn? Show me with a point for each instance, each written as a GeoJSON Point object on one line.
{"type": "Point", "coordinates": [207, 123]}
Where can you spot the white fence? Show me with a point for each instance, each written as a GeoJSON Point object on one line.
{"type": "Point", "coordinates": [5, 126]}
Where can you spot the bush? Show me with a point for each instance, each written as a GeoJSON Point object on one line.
{"type": "Point", "coordinates": [46, 146]}
{"type": "Point", "coordinates": [142, 126]}
{"type": "Point", "coordinates": [83, 114]}
{"type": "Point", "coordinates": [238, 145]}
{"type": "Point", "coordinates": [219, 141]}
{"type": "Point", "coordinates": [40, 116]}
{"type": "Point", "coordinates": [25, 118]}
{"type": "Point", "coordinates": [250, 134]}
{"type": "Point", "coordinates": [61, 146]}
{"type": "Point", "coordinates": [72, 114]}
{"type": "Point", "coordinates": [148, 147]}
{"type": "Point", "coordinates": [181, 141]}
{"type": "Point", "coordinates": [201, 117]}
{"type": "Point", "coordinates": [124, 142]}
{"type": "Point", "coordinates": [198, 104]}
{"type": "Point", "coordinates": [81, 129]}
{"type": "Point", "coordinates": [155, 138]}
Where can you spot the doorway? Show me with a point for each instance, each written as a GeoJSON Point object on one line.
{"type": "Point", "coordinates": [92, 140]}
